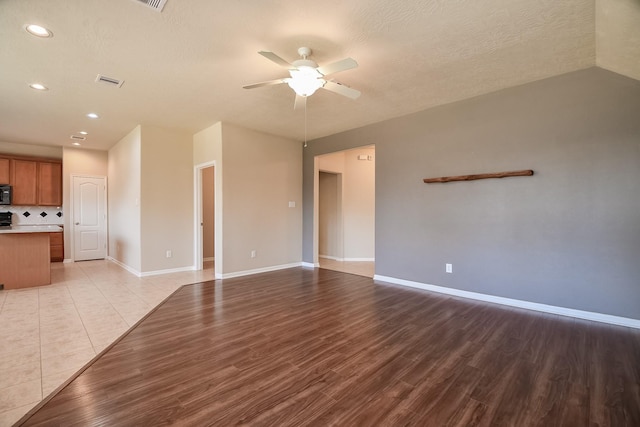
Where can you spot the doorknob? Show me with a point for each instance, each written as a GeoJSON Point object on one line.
{"type": "Point", "coordinates": [77, 223]}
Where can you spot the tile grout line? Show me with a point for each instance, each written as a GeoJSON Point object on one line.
{"type": "Point", "coordinates": [75, 306]}
{"type": "Point", "coordinates": [40, 345]}
{"type": "Point", "coordinates": [132, 293]}
{"type": "Point", "coordinates": [110, 303]}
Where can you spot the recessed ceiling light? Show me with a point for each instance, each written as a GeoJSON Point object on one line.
{"type": "Point", "coordinates": [75, 143]}
{"type": "Point", "coordinates": [93, 116]}
{"type": "Point", "coordinates": [83, 133]}
{"type": "Point", "coordinates": [38, 31]}
{"type": "Point", "coordinates": [38, 86]}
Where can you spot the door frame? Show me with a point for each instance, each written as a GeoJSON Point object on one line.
{"type": "Point", "coordinates": [339, 256]}
{"type": "Point", "coordinates": [71, 213]}
{"type": "Point", "coordinates": [197, 217]}
{"type": "Point", "coordinates": [316, 200]}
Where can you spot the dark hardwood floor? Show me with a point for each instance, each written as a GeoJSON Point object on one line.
{"type": "Point", "coordinates": [319, 347]}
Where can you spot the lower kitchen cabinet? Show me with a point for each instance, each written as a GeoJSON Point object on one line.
{"type": "Point", "coordinates": [56, 243]}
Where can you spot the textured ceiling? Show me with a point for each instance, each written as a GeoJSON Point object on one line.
{"type": "Point", "coordinates": [184, 68]}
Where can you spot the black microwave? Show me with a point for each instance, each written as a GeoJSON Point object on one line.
{"type": "Point", "coordinates": [5, 194]}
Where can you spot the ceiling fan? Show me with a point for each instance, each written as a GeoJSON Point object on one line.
{"type": "Point", "coordinates": [307, 76]}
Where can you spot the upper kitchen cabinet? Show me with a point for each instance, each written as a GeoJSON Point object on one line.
{"type": "Point", "coordinates": [35, 182]}
{"type": "Point", "coordinates": [5, 171]}
{"type": "Point", "coordinates": [49, 184]}
{"type": "Point", "coordinates": [24, 182]}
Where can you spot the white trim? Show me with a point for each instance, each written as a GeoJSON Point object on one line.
{"type": "Point", "coordinates": [167, 271]}
{"type": "Point", "coordinates": [150, 273]}
{"type": "Point", "coordinates": [125, 266]}
{"type": "Point", "coordinates": [562, 311]}
{"type": "Point", "coordinates": [197, 214]}
{"type": "Point", "coordinates": [334, 258]}
{"type": "Point", "coordinates": [309, 265]}
{"type": "Point", "coordinates": [67, 261]}
{"type": "Point", "coordinates": [258, 270]}
{"type": "Point", "coordinates": [347, 259]}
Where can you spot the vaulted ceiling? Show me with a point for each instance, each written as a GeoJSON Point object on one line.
{"type": "Point", "coordinates": [184, 68]}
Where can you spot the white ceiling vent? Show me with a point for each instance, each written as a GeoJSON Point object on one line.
{"type": "Point", "coordinates": [109, 80]}
{"type": "Point", "coordinates": [156, 5]}
{"type": "Point", "coordinates": [78, 137]}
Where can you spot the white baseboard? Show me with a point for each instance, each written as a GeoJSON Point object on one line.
{"type": "Point", "coordinates": [125, 266]}
{"type": "Point", "coordinates": [67, 261]}
{"type": "Point", "coordinates": [331, 257]}
{"type": "Point", "coordinates": [167, 271]}
{"type": "Point", "coordinates": [347, 259]}
{"type": "Point", "coordinates": [150, 273]}
{"type": "Point", "coordinates": [562, 311]}
{"type": "Point", "coordinates": [309, 264]}
{"type": "Point", "coordinates": [258, 270]}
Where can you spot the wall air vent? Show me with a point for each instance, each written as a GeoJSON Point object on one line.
{"type": "Point", "coordinates": [109, 80]}
{"type": "Point", "coordinates": [78, 137]}
{"type": "Point", "coordinates": [157, 5]}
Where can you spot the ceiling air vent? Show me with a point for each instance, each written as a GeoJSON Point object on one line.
{"type": "Point", "coordinates": [157, 5]}
{"type": "Point", "coordinates": [78, 137]}
{"type": "Point", "coordinates": [109, 80]}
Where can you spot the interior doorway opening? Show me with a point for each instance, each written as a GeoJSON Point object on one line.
{"type": "Point", "coordinates": [204, 222]}
{"type": "Point", "coordinates": [344, 217]}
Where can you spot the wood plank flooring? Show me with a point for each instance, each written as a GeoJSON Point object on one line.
{"type": "Point", "coordinates": [319, 347]}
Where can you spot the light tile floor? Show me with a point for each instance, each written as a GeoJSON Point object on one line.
{"type": "Point", "coordinates": [48, 333]}
{"type": "Point", "coordinates": [361, 268]}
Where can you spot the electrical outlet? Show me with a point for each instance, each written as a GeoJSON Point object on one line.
{"type": "Point", "coordinates": [448, 268]}
{"type": "Point", "coordinates": [253, 253]}
{"type": "Point", "coordinates": [169, 254]}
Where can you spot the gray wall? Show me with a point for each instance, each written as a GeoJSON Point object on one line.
{"type": "Point", "coordinates": [568, 236]}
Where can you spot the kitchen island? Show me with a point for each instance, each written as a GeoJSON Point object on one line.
{"type": "Point", "coordinates": [25, 259]}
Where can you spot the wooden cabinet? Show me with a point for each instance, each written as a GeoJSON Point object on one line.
{"type": "Point", "coordinates": [24, 182]}
{"type": "Point", "coordinates": [56, 244]}
{"type": "Point", "coordinates": [49, 184]}
{"type": "Point", "coordinates": [35, 182]}
{"type": "Point", "coordinates": [5, 171]}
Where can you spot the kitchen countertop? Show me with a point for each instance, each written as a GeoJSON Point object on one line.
{"type": "Point", "coordinates": [48, 228]}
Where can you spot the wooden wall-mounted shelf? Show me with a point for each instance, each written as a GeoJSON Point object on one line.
{"type": "Point", "coordinates": [527, 172]}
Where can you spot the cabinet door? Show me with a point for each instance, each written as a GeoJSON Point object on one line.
{"type": "Point", "coordinates": [5, 176]}
{"type": "Point", "coordinates": [23, 180]}
{"type": "Point", "coordinates": [56, 247]}
{"type": "Point", "coordinates": [49, 184]}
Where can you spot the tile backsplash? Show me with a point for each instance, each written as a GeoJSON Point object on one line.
{"type": "Point", "coordinates": [33, 215]}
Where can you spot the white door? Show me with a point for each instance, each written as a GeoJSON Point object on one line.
{"type": "Point", "coordinates": [89, 222]}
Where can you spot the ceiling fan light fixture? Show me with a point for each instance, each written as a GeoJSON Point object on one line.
{"type": "Point", "coordinates": [305, 80]}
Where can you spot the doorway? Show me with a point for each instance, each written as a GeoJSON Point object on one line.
{"type": "Point", "coordinates": [88, 217]}
{"type": "Point", "coordinates": [344, 218]}
{"type": "Point", "coordinates": [205, 228]}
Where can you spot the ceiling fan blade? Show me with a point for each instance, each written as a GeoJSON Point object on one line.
{"type": "Point", "coordinates": [345, 64]}
{"type": "Point", "coordinates": [267, 83]}
{"type": "Point", "coordinates": [275, 58]}
{"type": "Point", "coordinates": [300, 102]}
{"type": "Point", "coordinates": [341, 89]}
